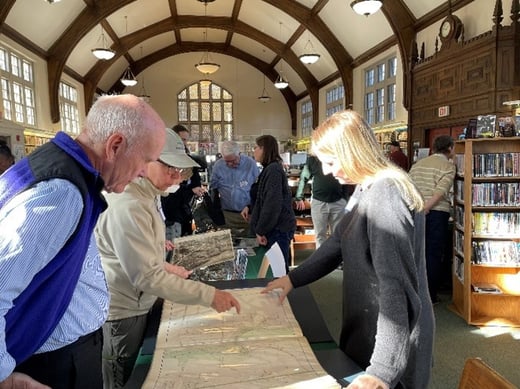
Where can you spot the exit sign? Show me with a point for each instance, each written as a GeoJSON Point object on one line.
{"type": "Point", "coordinates": [444, 111]}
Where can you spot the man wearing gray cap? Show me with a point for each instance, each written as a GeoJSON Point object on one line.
{"type": "Point", "coordinates": [131, 240]}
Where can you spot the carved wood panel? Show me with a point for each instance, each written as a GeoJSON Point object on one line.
{"type": "Point", "coordinates": [470, 77]}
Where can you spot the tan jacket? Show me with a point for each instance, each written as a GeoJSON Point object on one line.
{"type": "Point", "coordinates": [130, 235]}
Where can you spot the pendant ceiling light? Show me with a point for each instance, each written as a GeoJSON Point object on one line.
{"type": "Point", "coordinates": [281, 82]}
{"type": "Point", "coordinates": [309, 56]}
{"type": "Point", "coordinates": [103, 52]}
{"type": "Point", "coordinates": [366, 7]}
{"type": "Point", "coordinates": [264, 97]}
{"type": "Point", "coordinates": [206, 65]}
{"type": "Point", "coordinates": [142, 93]}
{"type": "Point", "coordinates": [128, 78]}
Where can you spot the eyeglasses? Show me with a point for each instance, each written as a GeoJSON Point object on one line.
{"type": "Point", "coordinates": [171, 169]}
{"type": "Point", "coordinates": [232, 162]}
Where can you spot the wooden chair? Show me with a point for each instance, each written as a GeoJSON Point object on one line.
{"type": "Point", "coordinates": [478, 375]}
{"type": "Point", "coordinates": [262, 272]}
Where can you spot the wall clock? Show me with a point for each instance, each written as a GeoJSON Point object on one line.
{"type": "Point", "coordinates": [451, 28]}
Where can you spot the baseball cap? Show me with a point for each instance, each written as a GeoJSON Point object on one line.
{"type": "Point", "coordinates": [174, 153]}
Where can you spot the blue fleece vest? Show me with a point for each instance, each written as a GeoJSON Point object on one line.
{"type": "Point", "coordinates": [38, 309]}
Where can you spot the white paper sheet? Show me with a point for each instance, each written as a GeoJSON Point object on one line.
{"type": "Point", "coordinates": [276, 260]}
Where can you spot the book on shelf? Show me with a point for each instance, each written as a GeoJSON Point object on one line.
{"type": "Point", "coordinates": [458, 268]}
{"type": "Point", "coordinates": [496, 194]}
{"type": "Point", "coordinates": [486, 126]}
{"type": "Point", "coordinates": [495, 223]}
{"type": "Point", "coordinates": [496, 165]}
{"type": "Point", "coordinates": [486, 287]}
{"type": "Point", "coordinates": [496, 253]}
{"type": "Point", "coordinates": [471, 129]}
{"type": "Point", "coordinates": [505, 126]}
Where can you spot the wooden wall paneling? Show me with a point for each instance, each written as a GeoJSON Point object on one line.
{"type": "Point", "coordinates": [472, 78]}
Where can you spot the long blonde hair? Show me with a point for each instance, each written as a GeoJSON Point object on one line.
{"type": "Point", "coordinates": [348, 137]}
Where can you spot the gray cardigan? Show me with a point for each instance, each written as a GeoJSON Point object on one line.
{"type": "Point", "coordinates": [388, 322]}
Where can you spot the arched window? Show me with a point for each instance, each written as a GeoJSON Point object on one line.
{"type": "Point", "coordinates": [206, 109]}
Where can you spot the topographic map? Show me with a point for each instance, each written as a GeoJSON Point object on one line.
{"type": "Point", "coordinates": [262, 347]}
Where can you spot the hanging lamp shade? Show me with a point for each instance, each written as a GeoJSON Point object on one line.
{"type": "Point", "coordinates": [264, 97]}
{"type": "Point", "coordinates": [206, 65]}
{"type": "Point", "coordinates": [128, 78]}
{"type": "Point", "coordinates": [366, 7]}
{"type": "Point", "coordinates": [103, 52]}
{"type": "Point", "coordinates": [280, 82]}
{"type": "Point", "coordinates": [310, 58]}
{"type": "Point", "coordinates": [309, 55]}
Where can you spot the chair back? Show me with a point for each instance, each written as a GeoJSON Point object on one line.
{"type": "Point", "coordinates": [479, 375]}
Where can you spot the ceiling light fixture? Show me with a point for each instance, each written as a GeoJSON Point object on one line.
{"type": "Point", "coordinates": [281, 82]}
{"type": "Point", "coordinates": [52, 1]}
{"type": "Point", "coordinates": [103, 52]}
{"type": "Point", "coordinates": [206, 65]}
{"type": "Point", "coordinates": [128, 78]}
{"type": "Point", "coordinates": [142, 93]}
{"type": "Point", "coordinates": [366, 7]}
{"type": "Point", "coordinates": [309, 57]}
{"type": "Point", "coordinates": [264, 97]}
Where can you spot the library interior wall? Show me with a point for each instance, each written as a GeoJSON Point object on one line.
{"type": "Point", "coordinates": [253, 117]}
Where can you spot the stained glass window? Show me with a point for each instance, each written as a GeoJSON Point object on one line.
{"type": "Point", "coordinates": [210, 118]}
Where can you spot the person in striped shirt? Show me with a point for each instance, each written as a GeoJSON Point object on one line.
{"type": "Point", "coordinates": [434, 176]}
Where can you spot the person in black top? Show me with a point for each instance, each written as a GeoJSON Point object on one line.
{"type": "Point", "coordinates": [329, 198]}
{"type": "Point", "coordinates": [176, 206]}
{"type": "Point", "coordinates": [272, 217]}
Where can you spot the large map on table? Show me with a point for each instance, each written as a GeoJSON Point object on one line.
{"type": "Point", "coordinates": [262, 347]}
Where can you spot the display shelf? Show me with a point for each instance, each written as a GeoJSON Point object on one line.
{"type": "Point", "coordinates": [486, 248]}
{"type": "Point", "coordinates": [33, 139]}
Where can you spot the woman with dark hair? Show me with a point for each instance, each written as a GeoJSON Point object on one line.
{"type": "Point", "coordinates": [272, 216]}
{"type": "Point", "coordinates": [6, 157]}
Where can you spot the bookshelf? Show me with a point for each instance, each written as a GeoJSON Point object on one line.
{"type": "Point", "coordinates": [486, 240]}
{"type": "Point", "coordinates": [33, 139]}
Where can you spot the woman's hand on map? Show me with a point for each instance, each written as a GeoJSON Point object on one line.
{"type": "Point", "coordinates": [284, 283]}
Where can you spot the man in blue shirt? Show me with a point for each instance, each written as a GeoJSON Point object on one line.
{"type": "Point", "coordinates": [232, 176]}
{"type": "Point", "coordinates": [54, 293]}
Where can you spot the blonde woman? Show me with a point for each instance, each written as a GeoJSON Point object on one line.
{"type": "Point", "coordinates": [388, 323]}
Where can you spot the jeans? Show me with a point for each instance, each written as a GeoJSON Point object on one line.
{"type": "Point", "coordinates": [436, 237]}
{"type": "Point", "coordinates": [284, 241]}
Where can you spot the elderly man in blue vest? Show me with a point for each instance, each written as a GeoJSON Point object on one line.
{"type": "Point", "coordinates": [54, 296]}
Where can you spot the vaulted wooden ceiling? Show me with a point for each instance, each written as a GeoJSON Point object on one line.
{"type": "Point", "coordinates": [267, 34]}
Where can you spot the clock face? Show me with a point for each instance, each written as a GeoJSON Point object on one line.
{"type": "Point", "coordinates": [445, 28]}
